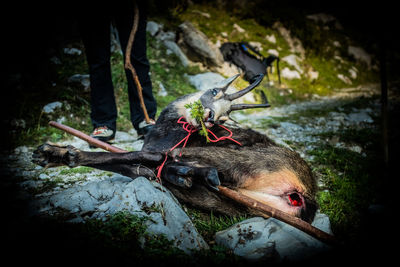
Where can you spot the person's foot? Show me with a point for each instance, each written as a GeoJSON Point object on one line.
{"type": "Point", "coordinates": [144, 127]}
{"type": "Point", "coordinates": [103, 133]}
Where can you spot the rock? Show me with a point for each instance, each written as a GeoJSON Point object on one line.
{"type": "Point", "coordinates": [353, 73]}
{"type": "Point", "coordinates": [204, 14]}
{"type": "Point", "coordinates": [355, 148]}
{"type": "Point", "coordinates": [178, 52]}
{"type": "Point", "coordinates": [153, 27]}
{"type": "Point", "coordinates": [97, 199]}
{"type": "Point", "coordinates": [358, 117]}
{"type": "Point", "coordinates": [137, 145]}
{"type": "Point", "coordinates": [61, 119]}
{"type": "Point", "coordinates": [292, 61]}
{"type": "Point", "coordinates": [273, 52]}
{"type": "Point", "coordinates": [336, 44]}
{"type": "Point", "coordinates": [294, 43]}
{"type": "Point", "coordinates": [43, 176]}
{"type": "Point", "coordinates": [238, 28]}
{"type": "Point", "coordinates": [322, 222]}
{"type": "Point", "coordinates": [290, 74]}
{"type": "Point", "coordinates": [256, 45]}
{"type": "Point", "coordinates": [271, 38]}
{"type": "Point", "coordinates": [162, 91]}
{"type": "Point", "coordinates": [204, 81]}
{"type": "Point", "coordinates": [325, 19]}
{"type": "Point", "coordinates": [55, 60]}
{"type": "Point", "coordinates": [322, 17]}
{"type": "Point", "coordinates": [72, 51]}
{"type": "Point", "coordinates": [21, 150]}
{"type": "Point", "coordinates": [312, 75]}
{"type": "Point", "coordinates": [76, 142]}
{"type": "Point", "coordinates": [123, 137]}
{"type": "Point", "coordinates": [360, 55]}
{"type": "Point", "coordinates": [344, 79]}
{"type": "Point", "coordinates": [83, 79]}
{"type": "Point", "coordinates": [197, 46]}
{"type": "Point", "coordinates": [227, 69]}
{"type": "Point", "coordinates": [49, 108]}
{"type": "Point", "coordinates": [166, 36]}
{"type": "Point", "coordinates": [258, 238]}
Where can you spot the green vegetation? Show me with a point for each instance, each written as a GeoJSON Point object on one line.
{"type": "Point", "coordinates": [197, 112]}
{"type": "Point", "coordinates": [350, 180]}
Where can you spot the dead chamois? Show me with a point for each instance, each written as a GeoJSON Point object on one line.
{"type": "Point", "coordinates": [252, 164]}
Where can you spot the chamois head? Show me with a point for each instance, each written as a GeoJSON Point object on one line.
{"type": "Point", "coordinates": [218, 104]}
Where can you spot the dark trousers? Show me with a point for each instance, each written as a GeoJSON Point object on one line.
{"type": "Point", "coordinates": [95, 25]}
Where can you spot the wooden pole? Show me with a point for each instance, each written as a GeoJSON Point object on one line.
{"type": "Point", "coordinates": [128, 64]}
{"type": "Point", "coordinates": [232, 194]}
{"type": "Point", "coordinates": [87, 138]}
{"type": "Point", "coordinates": [278, 214]}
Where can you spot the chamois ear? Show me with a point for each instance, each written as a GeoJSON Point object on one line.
{"type": "Point", "coordinates": [225, 83]}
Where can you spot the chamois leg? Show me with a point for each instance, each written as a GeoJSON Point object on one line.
{"type": "Point", "coordinates": [183, 174]}
{"type": "Point", "coordinates": [132, 164]}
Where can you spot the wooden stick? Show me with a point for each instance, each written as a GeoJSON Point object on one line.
{"type": "Point", "coordinates": [87, 138]}
{"type": "Point", "coordinates": [128, 64]}
{"type": "Point", "coordinates": [278, 214]}
{"type": "Point", "coordinates": [232, 194]}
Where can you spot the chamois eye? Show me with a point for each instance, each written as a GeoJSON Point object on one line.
{"type": "Point", "coordinates": [214, 92]}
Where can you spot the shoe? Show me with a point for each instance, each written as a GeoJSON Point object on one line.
{"type": "Point", "coordinates": [145, 127]}
{"type": "Point", "coordinates": [103, 133]}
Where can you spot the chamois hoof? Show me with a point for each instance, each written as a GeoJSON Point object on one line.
{"type": "Point", "coordinates": [52, 155]}
{"type": "Point", "coordinates": [212, 179]}
{"type": "Point", "coordinates": [179, 175]}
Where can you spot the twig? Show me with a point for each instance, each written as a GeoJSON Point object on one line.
{"type": "Point", "coordinates": [128, 64]}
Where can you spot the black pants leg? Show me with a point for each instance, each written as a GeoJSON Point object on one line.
{"type": "Point", "coordinates": [124, 21]}
{"type": "Point", "coordinates": [95, 31]}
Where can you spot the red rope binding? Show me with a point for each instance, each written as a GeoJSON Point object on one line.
{"type": "Point", "coordinates": [191, 129]}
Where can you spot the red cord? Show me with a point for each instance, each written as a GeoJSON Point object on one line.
{"type": "Point", "coordinates": [191, 129]}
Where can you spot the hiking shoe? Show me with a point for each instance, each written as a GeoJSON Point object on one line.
{"type": "Point", "coordinates": [103, 133]}
{"type": "Point", "coordinates": [145, 127]}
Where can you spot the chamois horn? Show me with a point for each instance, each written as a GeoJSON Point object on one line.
{"type": "Point", "coordinates": [256, 81]}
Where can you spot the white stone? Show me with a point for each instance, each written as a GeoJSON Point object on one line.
{"type": "Point", "coordinates": [171, 45]}
{"type": "Point", "coordinates": [353, 73]}
{"type": "Point", "coordinates": [290, 74]}
{"type": "Point", "coordinates": [153, 27]}
{"type": "Point", "coordinates": [238, 28]}
{"type": "Point", "coordinates": [292, 60]}
{"type": "Point", "coordinates": [271, 38]}
{"type": "Point", "coordinates": [344, 79]}
{"type": "Point", "coordinates": [49, 108]}
{"type": "Point", "coordinates": [360, 55]}
{"type": "Point", "coordinates": [72, 51]}
{"type": "Point", "coordinates": [162, 91]}
{"type": "Point", "coordinates": [204, 81]}
{"type": "Point", "coordinates": [256, 45]}
{"type": "Point", "coordinates": [273, 52]}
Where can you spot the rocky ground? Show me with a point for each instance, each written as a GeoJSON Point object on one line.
{"type": "Point", "coordinates": [82, 193]}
